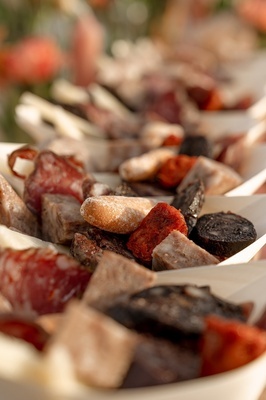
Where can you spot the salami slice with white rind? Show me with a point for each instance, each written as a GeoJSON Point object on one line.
{"type": "Point", "coordinates": [40, 281]}
{"type": "Point", "coordinates": [52, 174]}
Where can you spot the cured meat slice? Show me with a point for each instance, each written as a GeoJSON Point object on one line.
{"type": "Point", "coordinates": [61, 218]}
{"type": "Point", "coordinates": [190, 201]}
{"type": "Point", "coordinates": [223, 234]}
{"type": "Point", "coordinates": [52, 174]}
{"type": "Point", "coordinates": [116, 276]}
{"type": "Point", "coordinates": [14, 213]}
{"type": "Point", "coordinates": [217, 177]}
{"type": "Point", "coordinates": [40, 281]}
{"type": "Point", "coordinates": [100, 350]}
{"type": "Point", "coordinates": [229, 344]}
{"type": "Point", "coordinates": [24, 329]}
{"type": "Point", "coordinates": [26, 152]}
{"type": "Point", "coordinates": [172, 312]}
{"type": "Point", "coordinates": [176, 251]}
{"type": "Point", "coordinates": [159, 222]}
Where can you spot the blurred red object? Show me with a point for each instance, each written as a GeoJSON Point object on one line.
{"type": "Point", "coordinates": [87, 46]}
{"type": "Point", "coordinates": [32, 60]}
{"type": "Point", "coordinates": [254, 12]}
{"type": "Point", "coordinates": [100, 3]}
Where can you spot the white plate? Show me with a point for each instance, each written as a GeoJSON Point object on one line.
{"type": "Point", "coordinates": [238, 283]}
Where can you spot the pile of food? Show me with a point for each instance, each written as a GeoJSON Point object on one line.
{"type": "Point", "coordinates": [83, 289]}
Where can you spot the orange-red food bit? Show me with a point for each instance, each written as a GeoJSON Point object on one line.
{"type": "Point", "coordinates": [158, 223]}
{"type": "Point", "coordinates": [229, 344]}
{"type": "Point", "coordinates": [174, 170]}
{"type": "Point", "coordinates": [172, 140]}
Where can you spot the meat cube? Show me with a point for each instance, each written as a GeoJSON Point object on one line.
{"type": "Point", "coordinates": [216, 177]}
{"type": "Point", "coordinates": [176, 251]}
{"type": "Point", "coordinates": [14, 212]}
{"type": "Point", "coordinates": [61, 218]}
{"type": "Point", "coordinates": [86, 251]}
{"type": "Point", "coordinates": [88, 247]}
{"type": "Point", "coordinates": [99, 349]}
{"type": "Point", "coordinates": [116, 275]}
{"type": "Point", "coordinates": [159, 361]}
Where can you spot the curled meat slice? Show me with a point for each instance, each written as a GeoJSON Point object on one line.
{"type": "Point", "coordinates": [40, 281]}
{"type": "Point", "coordinates": [24, 329]}
{"type": "Point", "coordinates": [52, 174]}
{"type": "Point", "coordinates": [26, 152]}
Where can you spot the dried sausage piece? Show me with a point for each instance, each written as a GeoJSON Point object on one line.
{"type": "Point", "coordinates": [229, 344]}
{"type": "Point", "coordinates": [40, 281]}
{"type": "Point", "coordinates": [158, 361]}
{"type": "Point", "coordinates": [223, 234]}
{"type": "Point", "coordinates": [26, 152]}
{"type": "Point", "coordinates": [190, 201]}
{"type": "Point", "coordinates": [173, 312]}
{"type": "Point", "coordinates": [158, 223]}
{"type": "Point", "coordinates": [52, 174]}
{"type": "Point", "coordinates": [24, 329]}
{"type": "Point", "coordinates": [196, 145]}
{"type": "Point", "coordinates": [174, 170]}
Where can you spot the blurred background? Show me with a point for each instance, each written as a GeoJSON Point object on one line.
{"type": "Point", "coordinates": [41, 40]}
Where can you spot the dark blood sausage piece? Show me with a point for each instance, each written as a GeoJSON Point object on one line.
{"type": "Point", "coordinates": [24, 329]}
{"type": "Point", "coordinates": [40, 281]}
{"type": "Point", "coordinates": [158, 223]}
{"type": "Point", "coordinates": [174, 312]}
{"type": "Point", "coordinates": [227, 345]}
{"type": "Point", "coordinates": [52, 174]}
{"type": "Point", "coordinates": [196, 145]}
{"type": "Point", "coordinates": [190, 201]}
{"type": "Point", "coordinates": [158, 361]}
{"type": "Point", "coordinates": [223, 234]}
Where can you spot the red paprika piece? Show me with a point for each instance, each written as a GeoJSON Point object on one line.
{"type": "Point", "coordinates": [174, 170]}
{"type": "Point", "coordinates": [229, 344]}
{"type": "Point", "coordinates": [155, 227]}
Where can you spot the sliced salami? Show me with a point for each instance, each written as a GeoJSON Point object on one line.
{"type": "Point", "coordinates": [24, 329]}
{"type": "Point", "coordinates": [52, 174]}
{"type": "Point", "coordinates": [40, 281]}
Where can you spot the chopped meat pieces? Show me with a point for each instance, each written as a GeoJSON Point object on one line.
{"type": "Point", "coordinates": [159, 222]}
{"type": "Point", "coordinates": [40, 281]}
{"type": "Point", "coordinates": [61, 218]}
{"type": "Point", "coordinates": [176, 251]}
{"type": "Point", "coordinates": [52, 174]}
